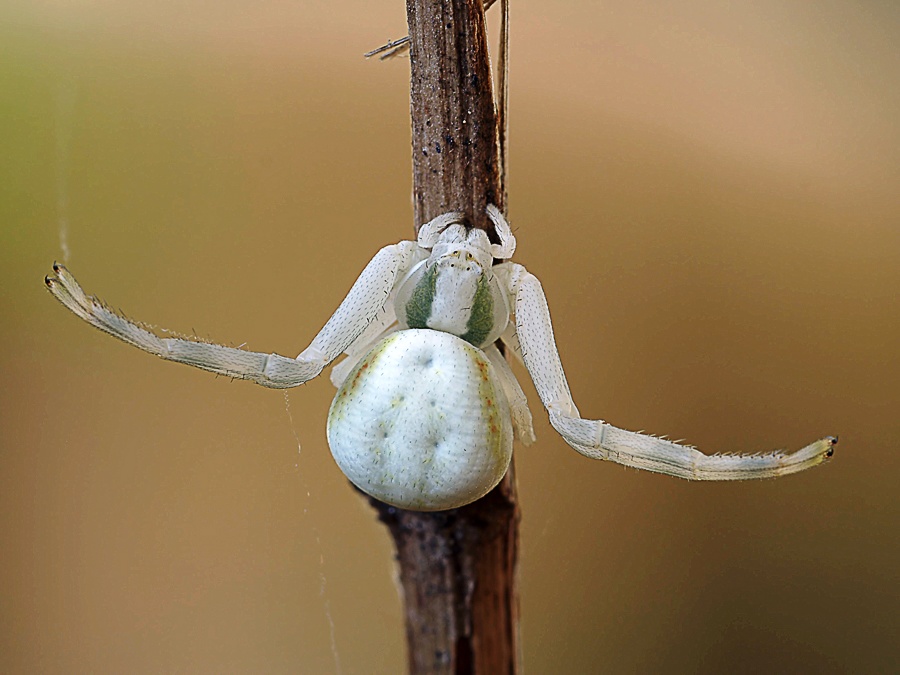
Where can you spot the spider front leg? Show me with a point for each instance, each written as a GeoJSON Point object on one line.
{"type": "Point", "coordinates": [357, 310]}
{"type": "Point", "coordinates": [597, 439]}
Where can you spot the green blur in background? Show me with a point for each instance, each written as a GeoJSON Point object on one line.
{"type": "Point", "coordinates": [709, 194]}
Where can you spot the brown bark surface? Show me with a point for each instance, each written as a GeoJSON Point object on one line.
{"type": "Point", "coordinates": [454, 124]}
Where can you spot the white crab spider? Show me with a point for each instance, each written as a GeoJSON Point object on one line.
{"type": "Point", "coordinates": [427, 406]}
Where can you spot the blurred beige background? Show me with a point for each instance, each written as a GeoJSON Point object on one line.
{"type": "Point", "coordinates": [709, 193]}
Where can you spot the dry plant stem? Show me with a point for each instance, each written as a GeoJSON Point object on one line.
{"type": "Point", "coordinates": [457, 568]}
{"type": "Point", "coordinates": [454, 124]}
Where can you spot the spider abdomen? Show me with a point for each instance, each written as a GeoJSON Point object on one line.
{"type": "Point", "coordinates": [422, 422]}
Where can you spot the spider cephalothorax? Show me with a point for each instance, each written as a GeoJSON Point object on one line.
{"type": "Point", "coordinates": [427, 406]}
{"type": "Point", "coordinates": [455, 290]}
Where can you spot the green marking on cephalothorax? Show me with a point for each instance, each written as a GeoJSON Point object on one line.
{"type": "Point", "coordinates": [418, 309]}
{"type": "Point", "coordinates": [481, 319]}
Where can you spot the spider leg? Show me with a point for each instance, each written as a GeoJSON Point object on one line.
{"type": "Point", "coordinates": [270, 370]}
{"type": "Point", "coordinates": [507, 246]}
{"type": "Point", "coordinates": [375, 332]}
{"type": "Point", "coordinates": [518, 403]}
{"type": "Point", "coordinates": [365, 300]}
{"type": "Point", "coordinates": [598, 440]}
{"type": "Point", "coordinates": [430, 232]}
{"type": "Point", "coordinates": [510, 339]}
{"type": "Point", "coordinates": [356, 311]}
